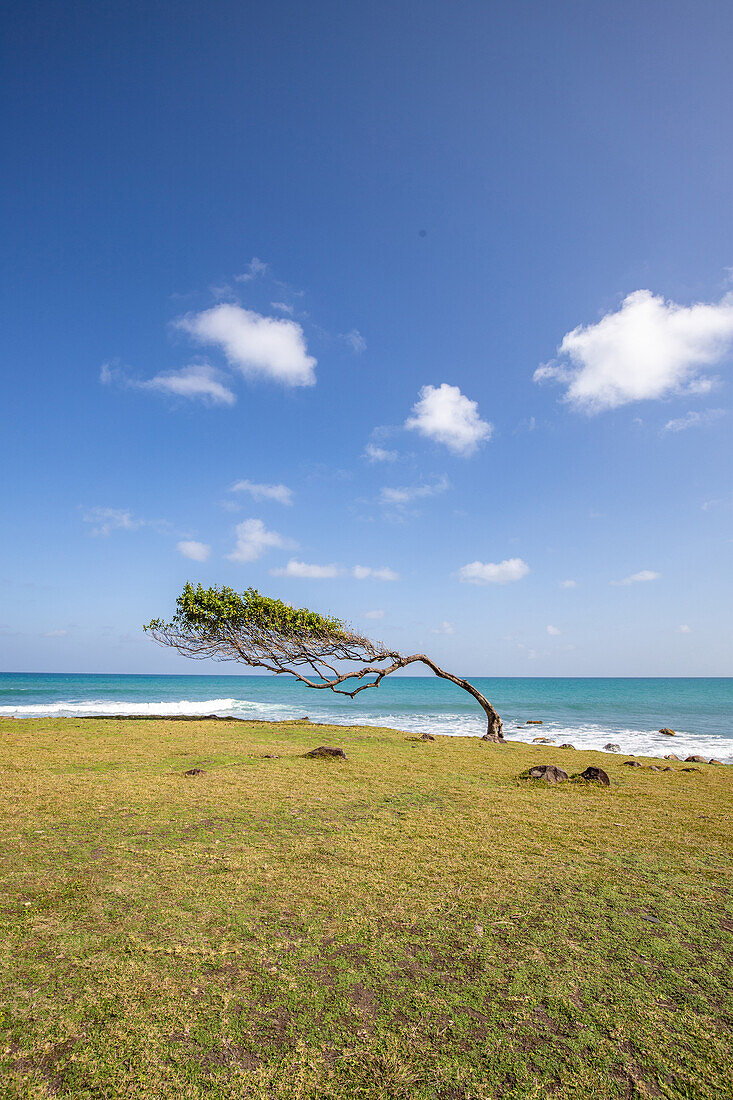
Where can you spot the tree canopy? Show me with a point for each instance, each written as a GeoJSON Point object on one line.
{"type": "Point", "coordinates": [321, 651]}
{"type": "Point", "coordinates": [200, 610]}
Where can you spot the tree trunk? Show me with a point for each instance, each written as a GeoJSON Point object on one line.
{"type": "Point", "coordinates": [494, 728]}
{"type": "Point", "coordinates": [493, 721]}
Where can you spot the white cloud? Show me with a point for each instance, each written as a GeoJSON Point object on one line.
{"type": "Point", "coordinates": [279, 493]}
{"type": "Point", "coordinates": [554, 631]}
{"type": "Point", "coordinates": [296, 568]}
{"type": "Point", "coordinates": [365, 572]}
{"type": "Point", "coordinates": [376, 614]}
{"type": "Point", "coordinates": [254, 268]}
{"type": "Point", "coordinates": [693, 420]}
{"type": "Point", "coordinates": [568, 584]}
{"type": "Point", "coordinates": [528, 424]}
{"type": "Point", "coordinates": [684, 629]}
{"type": "Point", "coordinates": [444, 628]}
{"type": "Point", "coordinates": [106, 520]}
{"type": "Point", "coordinates": [636, 578]}
{"type": "Point", "coordinates": [355, 340]}
{"type": "Point", "coordinates": [446, 416]}
{"type": "Point", "coordinates": [271, 347]}
{"type": "Point", "coordinates": [403, 496]}
{"type": "Point", "coordinates": [56, 634]}
{"type": "Point", "coordinates": [379, 454]}
{"type": "Point", "coordinates": [283, 307]}
{"type": "Point", "coordinates": [648, 348]}
{"type": "Point", "coordinates": [503, 572]}
{"type": "Point", "coordinates": [253, 539]}
{"type": "Point", "coordinates": [197, 380]}
{"type": "Point", "coordinates": [303, 569]}
{"type": "Point", "coordinates": [196, 551]}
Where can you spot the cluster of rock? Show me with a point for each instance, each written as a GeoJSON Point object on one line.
{"type": "Point", "coordinates": [325, 752]}
{"type": "Point", "coordinates": [552, 774]}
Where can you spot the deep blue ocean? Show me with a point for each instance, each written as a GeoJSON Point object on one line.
{"type": "Point", "coordinates": [586, 712]}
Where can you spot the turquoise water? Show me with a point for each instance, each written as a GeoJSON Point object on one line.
{"type": "Point", "coordinates": [587, 712]}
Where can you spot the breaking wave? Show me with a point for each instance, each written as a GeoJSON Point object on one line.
{"type": "Point", "coordinates": [412, 707]}
{"type": "Point", "coordinates": [91, 707]}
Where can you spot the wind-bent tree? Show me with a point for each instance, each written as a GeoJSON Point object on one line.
{"type": "Point", "coordinates": [225, 625]}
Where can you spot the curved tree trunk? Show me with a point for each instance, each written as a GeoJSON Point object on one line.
{"type": "Point", "coordinates": [494, 723]}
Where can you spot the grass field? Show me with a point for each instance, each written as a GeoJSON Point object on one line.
{"type": "Point", "coordinates": [414, 922]}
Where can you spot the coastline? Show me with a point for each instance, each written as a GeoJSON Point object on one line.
{"type": "Point", "coordinates": [588, 713]}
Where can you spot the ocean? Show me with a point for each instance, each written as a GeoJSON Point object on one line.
{"type": "Point", "coordinates": [588, 712]}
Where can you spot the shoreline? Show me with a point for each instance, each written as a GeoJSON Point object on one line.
{"type": "Point", "coordinates": [546, 744]}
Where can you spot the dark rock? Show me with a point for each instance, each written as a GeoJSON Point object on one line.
{"type": "Point", "coordinates": [595, 775]}
{"type": "Point", "coordinates": [689, 769]}
{"type": "Point", "coordinates": [667, 769]}
{"type": "Point", "coordinates": [696, 760]}
{"type": "Point", "coordinates": [195, 771]}
{"type": "Point", "coordinates": [667, 732]}
{"type": "Point", "coordinates": [542, 741]}
{"type": "Point", "coordinates": [654, 768]}
{"type": "Point", "coordinates": [611, 747]}
{"type": "Point", "coordinates": [325, 752]}
{"type": "Point", "coordinates": [714, 761]}
{"type": "Point", "coordinates": [270, 756]}
{"type": "Point", "coordinates": [426, 737]}
{"type": "Point", "coordinates": [534, 722]}
{"type": "Point", "coordinates": [671, 756]}
{"type": "Point", "coordinates": [632, 764]}
{"type": "Point", "coordinates": [567, 746]}
{"type": "Point", "coordinates": [549, 772]}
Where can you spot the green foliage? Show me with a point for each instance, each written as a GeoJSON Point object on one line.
{"type": "Point", "coordinates": [212, 609]}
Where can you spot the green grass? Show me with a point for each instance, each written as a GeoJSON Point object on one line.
{"type": "Point", "coordinates": [414, 922]}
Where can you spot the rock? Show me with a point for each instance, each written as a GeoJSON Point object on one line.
{"type": "Point", "coordinates": [667, 769]}
{"type": "Point", "coordinates": [325, 752]}
{"type": "Point", "coordinates": [542, 741]}
{"type": "Point", "coordinates": [195, 771]}
{"type": "Point", "coordinates": [426, 737]}
{"type": "Point", "coordinates": [534, 722]}
{"type": "Point", "coordinates": [689, 769]}
{"type": "Point", "coordinates": [567, 746]}
{"type": "Point", "coordinates": [611, 747]}
{"type": "Point", "coordinates": [671, 756]}
{"type": "Point", "coordinates": [667, 733]}
{"type": "Point", "coordinates": [714, 761]}
{"type": "Point", "coordinates": [696, 760]}
{"type": "Point", "coordinates": [595, 775]}
{"type": "Point", "coordinates": [549, 772]}
{"type": "Point", "coordinates": [270, 756]}
{"type": "Point", "coordinates": [632, 764]}
{"type": "Point", "coordinates": [654, 768]}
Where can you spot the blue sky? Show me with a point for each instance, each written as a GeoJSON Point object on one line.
{"type": "Point", "coordinates": [447, 285]}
